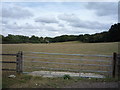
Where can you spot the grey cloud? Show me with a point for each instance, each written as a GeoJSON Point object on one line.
{"type": "Point", "coordinates": [29, 27]}
{"type": "Point", "coordinates": [24, 26]}
{"type": "Point", "coordinates": [15, 12]}
{"type": "Point", "coordinates": [74, 21]}
{"type": "Point", "coordinates": [89, 25]}
{"type": "Point", "coordinates": [12, 26]}
{"type": "Point", "coordinates": [3, 21]}
{"type": "Point", "coordinates": [119, 12]}
{"type": "Point", "coordinates": [50, 28]}
{"type": "Point", "coordinates": [25, 29]}
{"type": "Point", "coordinates": [46, 20]}
{"type": "Point", "coordinates": [61, 25]}
{"type": "Point", "coordinates": [103, 8]}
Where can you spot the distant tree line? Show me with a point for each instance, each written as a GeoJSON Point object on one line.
{"type": "Point", "coordinates": [112, 35]}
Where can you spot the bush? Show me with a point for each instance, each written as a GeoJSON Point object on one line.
{"type": "Point", "coordinates": [66, 76]}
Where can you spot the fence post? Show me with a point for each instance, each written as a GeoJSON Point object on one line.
{"type": "Point", "coordinates": [19, 62]}
{"type": "Point", "coordinates": [118, 66]}
{"type": "Point", "coordinates": [114, 65]}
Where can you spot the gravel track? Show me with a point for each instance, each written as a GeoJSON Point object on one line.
{"type": "Point", "coordinates": [60, 74]}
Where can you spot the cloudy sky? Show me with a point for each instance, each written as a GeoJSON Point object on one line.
{"type": "Point", "coordinates": [57, 18]}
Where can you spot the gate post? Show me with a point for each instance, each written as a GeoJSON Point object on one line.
{"type": "Point", "coordinates": [118, 66]}
{"type": "Point", "coordinates": [19, 62]}
{"type": "Point", "coordinates": [114, 65]}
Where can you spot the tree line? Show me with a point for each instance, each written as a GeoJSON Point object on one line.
{"type": "Point", "coordinates": [112, 35]}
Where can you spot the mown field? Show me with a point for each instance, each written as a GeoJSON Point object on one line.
{"type": "Point", "coordinates": [66, 47]}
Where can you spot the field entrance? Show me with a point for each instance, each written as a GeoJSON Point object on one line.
{"type": "Point", "coordinates": [59, 64]}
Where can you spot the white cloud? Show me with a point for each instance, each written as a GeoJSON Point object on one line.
{"type": "Point", "coordinates": [68, 17]}
{"type": "Point", "coordinates": [53, 19]}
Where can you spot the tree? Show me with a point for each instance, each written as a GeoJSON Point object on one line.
{"type": "Point", "coordinates": [114, 33]}
{"type": "Point", "coordinates": [34, 39]}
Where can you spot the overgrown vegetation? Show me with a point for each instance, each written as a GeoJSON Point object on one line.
{"type": "Point", "coordinates": [112, 35]}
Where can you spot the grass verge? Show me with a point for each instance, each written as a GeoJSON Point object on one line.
{"type": "Point", "coordinates": [27, 81]}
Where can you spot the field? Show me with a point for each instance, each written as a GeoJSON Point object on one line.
{"type": "Point", "coordinates": [65, 47]}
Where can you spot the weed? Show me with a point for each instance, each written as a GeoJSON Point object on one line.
{"type": "Point", "coordinates": [66, 76]}
{"type": "Point", "coordinates": [37, 77]}
{"type": "Point", "coordinates": [22, 81]}
{"type": "Point", "coordinates": [26, 77]}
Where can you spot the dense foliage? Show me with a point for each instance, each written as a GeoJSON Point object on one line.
{"type": "Point", "coordinates": [112, 35]}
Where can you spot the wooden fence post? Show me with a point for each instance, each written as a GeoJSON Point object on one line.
{"type": "Point", "coordinates": [19, 62]}
{"type": "Point", "coordinates": [118, 65]}
{"type": "Point", "coordinates": [114, 65]}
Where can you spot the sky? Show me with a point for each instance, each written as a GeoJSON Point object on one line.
{"type": "Point", "coordinates": [50, 19]}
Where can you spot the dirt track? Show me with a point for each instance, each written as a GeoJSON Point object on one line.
{"type": "Point", "coordinates": [79, 84]}
{"type": "Point", "coordinates": [94, 85]}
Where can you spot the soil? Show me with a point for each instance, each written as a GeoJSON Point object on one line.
{"type": "Point", "coordinates": [79, 84]}
{"type": "Point", "coordinates": [94, 85]}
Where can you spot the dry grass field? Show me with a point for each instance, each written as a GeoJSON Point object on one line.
{"type": "Point", "coordinates": [66, 47]}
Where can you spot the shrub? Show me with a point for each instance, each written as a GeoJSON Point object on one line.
{"type": "Point", "coordinates": [66, 76]}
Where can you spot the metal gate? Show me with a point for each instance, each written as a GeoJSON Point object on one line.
{"type": "Point", "coordinates": [81, 63]}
